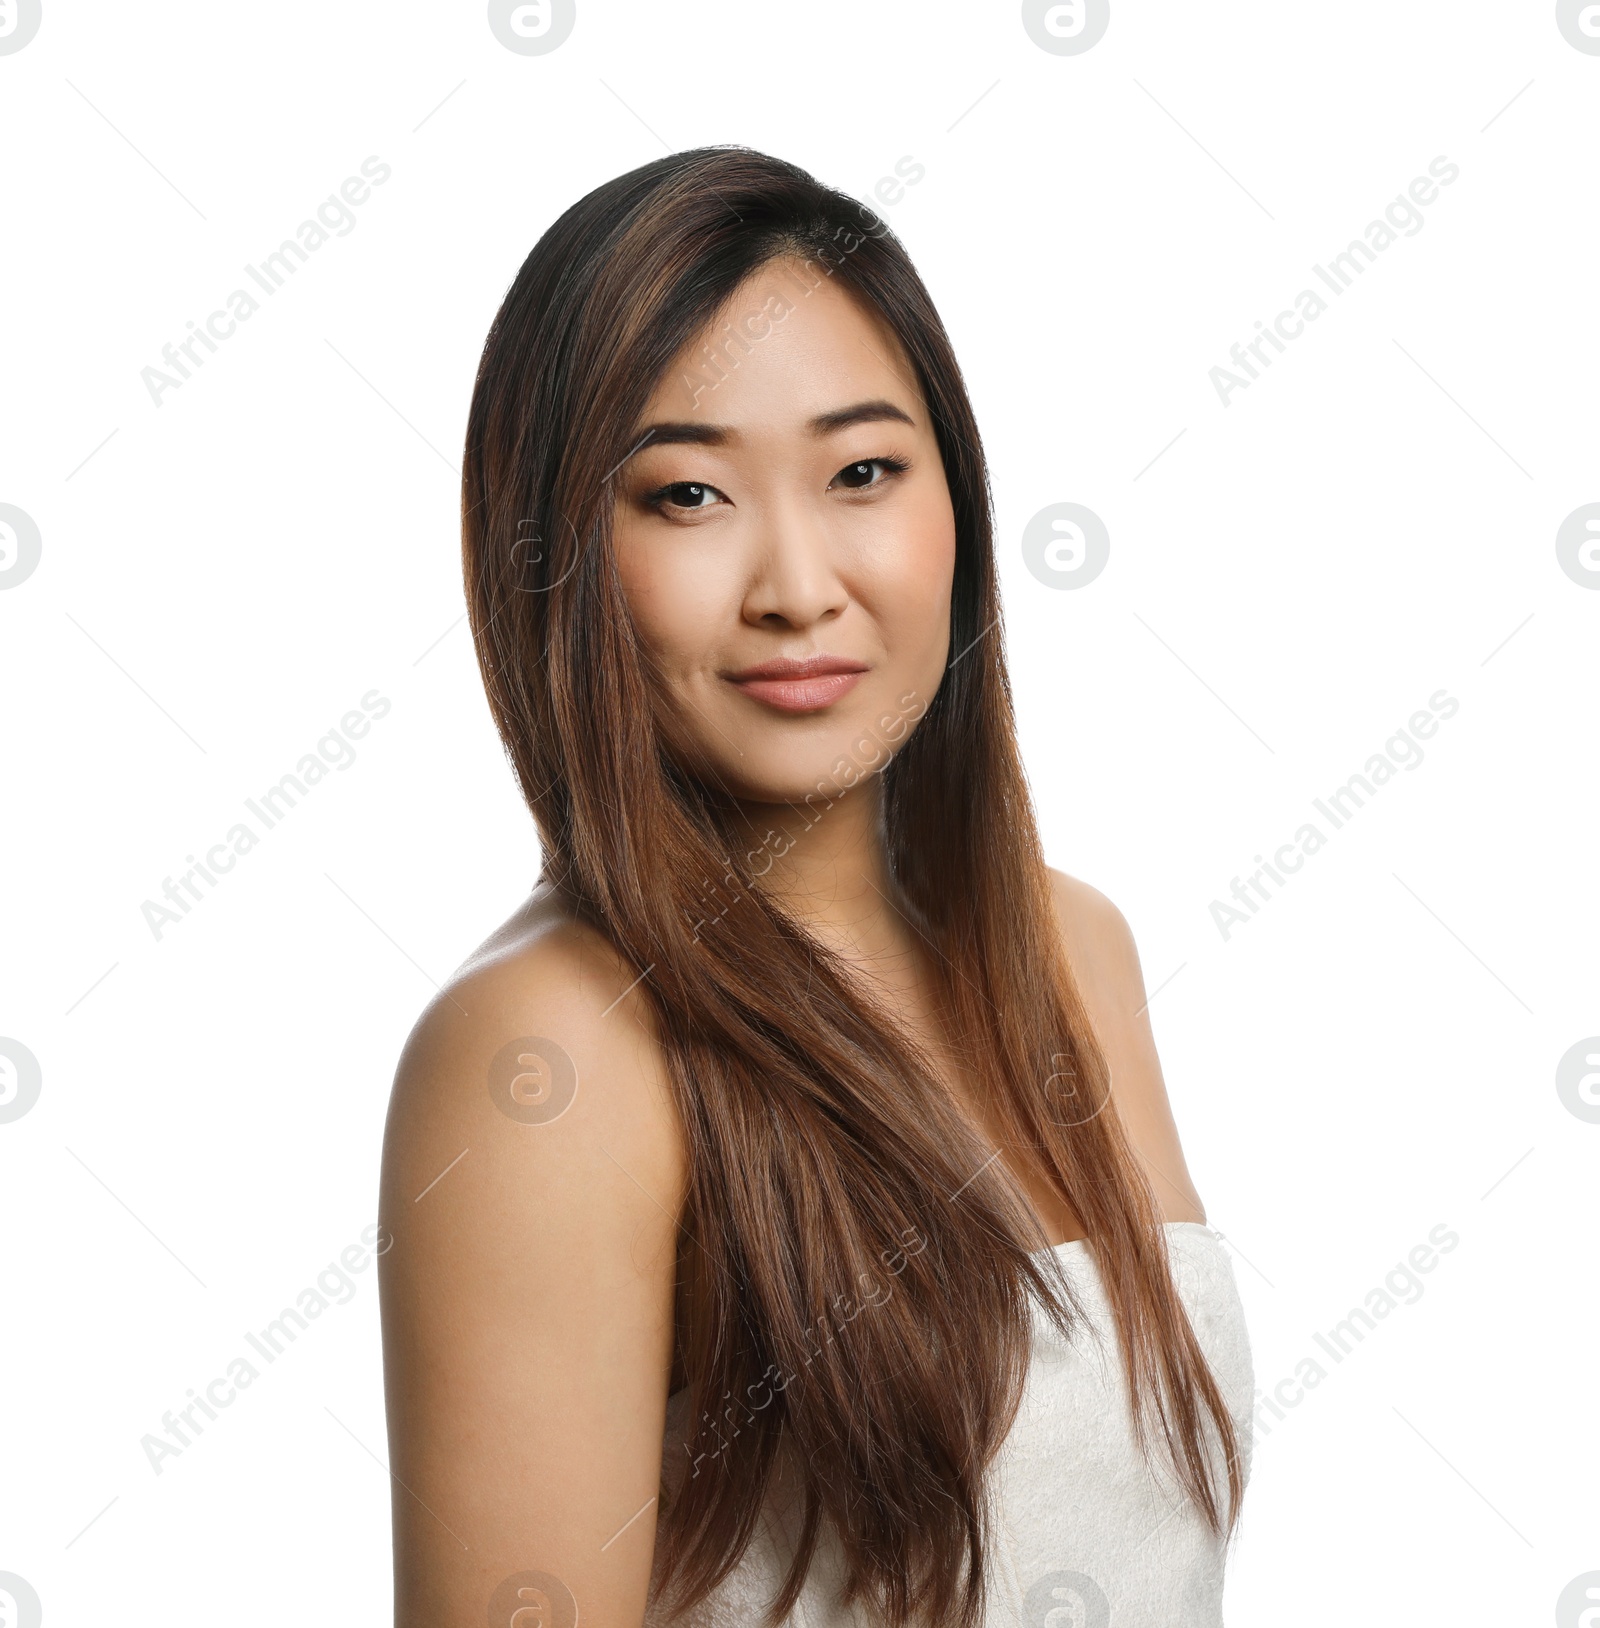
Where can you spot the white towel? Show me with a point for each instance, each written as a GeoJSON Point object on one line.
{"type": "Point", "coordinates": [1089, 1534]}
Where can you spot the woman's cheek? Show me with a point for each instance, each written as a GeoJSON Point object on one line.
{"type": "Point", "coordinates": [672, 615]}
{"type": "Point", "coordinates": [928, 570]}
{"type": "Point", "coordinates": [655, 597]}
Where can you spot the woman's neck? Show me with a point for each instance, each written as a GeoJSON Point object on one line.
{"type": "Point", "coordinates": [830, 868]}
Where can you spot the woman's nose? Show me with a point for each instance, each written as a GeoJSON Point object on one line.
{"type": "Point", "coordinates": [794, 576]}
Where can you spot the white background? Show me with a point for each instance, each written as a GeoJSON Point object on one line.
{"type": "Point", "coordinates": [224, 575]}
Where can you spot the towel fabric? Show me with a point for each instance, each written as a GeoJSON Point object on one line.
{"type": "Point", "coordinates": [1089, 1534]}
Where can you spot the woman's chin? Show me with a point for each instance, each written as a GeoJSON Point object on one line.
{"type": "Point", "coordinates": [818, 781]}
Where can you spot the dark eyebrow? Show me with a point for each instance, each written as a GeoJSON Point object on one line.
{"type": "Point", "coordinates": [718, 435]}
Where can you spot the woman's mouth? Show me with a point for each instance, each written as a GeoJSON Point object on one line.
{"type": "Point", "coordinates": [804, 685]}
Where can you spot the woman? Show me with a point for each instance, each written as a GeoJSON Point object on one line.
{"type": "Point", "coordinates": [789, 1220]}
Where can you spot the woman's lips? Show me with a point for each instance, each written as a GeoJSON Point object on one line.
{"type": "Point", "coordinates": [799, 694]}
{"type": "Point", "coordinates": [799, 686]}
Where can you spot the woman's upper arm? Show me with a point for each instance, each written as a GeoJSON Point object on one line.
{"type": "Point", "coordinates": [528, 1291]}
{"type": "Point", "coordinates": [1105, 963]}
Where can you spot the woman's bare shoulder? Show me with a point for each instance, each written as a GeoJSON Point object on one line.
{"type": "Point", "coordinates": [533, 1177]}
{"type": "Point", "coordinates": [551, 984]}
{"type": "Point", "coordinates": [1105, 964]}
{"type": "Point", "coordinates": [531, 1092]}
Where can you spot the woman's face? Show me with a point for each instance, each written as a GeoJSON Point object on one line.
{"type": "Point", "coordinates": [786, 542]}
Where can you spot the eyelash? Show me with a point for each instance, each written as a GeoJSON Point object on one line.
{"type": "Point", "coordinates": [657, 499]}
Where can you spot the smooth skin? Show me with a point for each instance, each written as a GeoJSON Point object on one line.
{"type": "Point", "coordinates": [528, 1295]}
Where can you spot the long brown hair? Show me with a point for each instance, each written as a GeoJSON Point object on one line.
{"type": "Point", "coordinates": [824, 1152]}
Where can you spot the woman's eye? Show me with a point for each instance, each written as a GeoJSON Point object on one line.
{"type": "Point", "coordinates": [683, 494]}
{"type": "Point", "coordinates": [858, 477]}
{"type": "Point", "coordinates": [863, 476]}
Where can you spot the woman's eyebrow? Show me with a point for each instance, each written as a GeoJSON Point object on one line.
{"type": "Point", "coordinates": [691, 433]}
{"type": "Point", "coordinates": [864, 412]}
